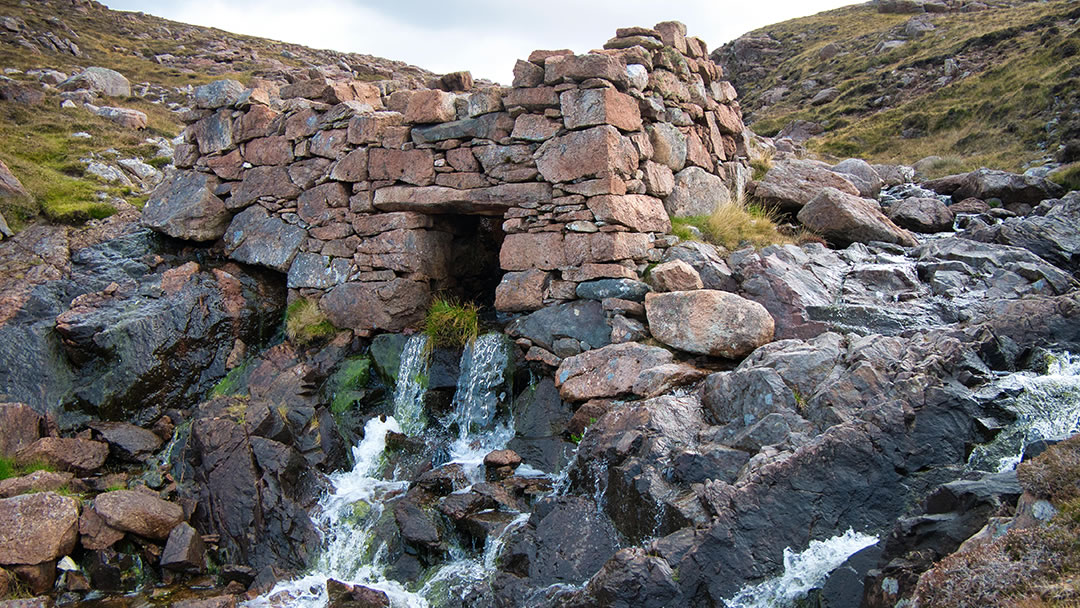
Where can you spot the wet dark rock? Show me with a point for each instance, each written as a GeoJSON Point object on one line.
{"type": "Point", "coordinates": [844, 587]}
{"type": "Point", "coordinates": [582, 320]}
{"type": "Point", "coordinates": [417, 527]}
{"type": "Point", "coordinates": [386, 354]}
{"type": "Point", "coordinates": [944, 520]}
{"type": "Point", "coordinates": [625, 456]}
{"type": "Point", "coordinates": [631, 578]}
{"type": "Point", "coordinates": [127, 440]}
{"type": "Point", "coordinates": [249, 492]}
{"type": "Point", "coordinates": [746, 396]}
{"type": "Point", "coordinates": [459, 506]}
{"type": "Point", "coordinates": [138, 339]}
{"type": "Point", "coordinates": [184, 550]}
{"type": "Point", "coordinates": [443, 480]}
{"type": "Point", "coordinates": [709, 462]}
{"type": "Point", "coordinates": [566, 540]}
{"type": "Point", "coordinates": [1051, 232]}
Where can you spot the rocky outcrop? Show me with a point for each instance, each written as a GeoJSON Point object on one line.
{"type": "Point", "coordinates": [126, 334]}
{"type": "Point", "coordinates": [1050, 232]}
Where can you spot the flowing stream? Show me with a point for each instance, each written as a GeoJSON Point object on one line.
{"type": "Point", "coordinates": [1047, 406]}
{"type": "Point", "coordinates": [349, 514]}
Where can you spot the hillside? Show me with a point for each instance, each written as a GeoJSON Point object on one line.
{"type": "Point", "coordinates": [997, 87]}
{"type": "Point", "coordinates": [45, 41]}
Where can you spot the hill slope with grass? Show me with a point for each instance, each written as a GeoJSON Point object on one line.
{"type": "Point", "coordinates": [50, 148]}
{"type": "Point", "coordinates": [997, 87]}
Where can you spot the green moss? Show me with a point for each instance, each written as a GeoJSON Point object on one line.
{"type": "Point", "coordinates": [351, 376]}
{"type": "Point", "coordinates": [234, 382]}
{"type": "Point", "coordinates": [450, 323]}
{"type": "Point", "coordinates": [306, 323]}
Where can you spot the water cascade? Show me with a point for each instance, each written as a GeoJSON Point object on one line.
{"type": "Point", "coordinates": [802, 572]}
{"type": "Point", "coordinates": [349, 514]}
{"type": "Point", "coordinates": [1047, 406]}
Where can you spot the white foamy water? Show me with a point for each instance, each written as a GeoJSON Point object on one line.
{"type": "Point", "coordinates": [411, 385]}
{"type": "Point", "coordinates": [802, 572]}
{"type": "Point", "coordinates": [1047, 407]}
{"type": "Point", "coordinates": [349, 514]}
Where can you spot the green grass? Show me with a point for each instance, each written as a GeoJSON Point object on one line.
{"type": "Point", "coordinates": [451, 323]}
{"type": "Point", "coordinates": [733, 226]}
{"type": "Point", "coordinates": [1068, 176]}
{"type": "Point", "coordinates": [306, 323]}
{"type": "Point", "coordinates": [36, 144]}
{"type": "Point", "coordinates": [9, 469]}
{"type": "Point", "coordinates": [1024, 74]}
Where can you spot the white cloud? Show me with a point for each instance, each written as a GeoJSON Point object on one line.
{"type": "Point", "coordinates": [484, 36]}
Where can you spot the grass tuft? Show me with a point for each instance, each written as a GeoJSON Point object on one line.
{"type": "Point", "coordinates": [451, 323]}
{"type": "Point", "coordinates": [734, 225]}
{"type": "Point", "coordinates": [305, 322]}
{"type": "Point", "coordinates": [9, 469]}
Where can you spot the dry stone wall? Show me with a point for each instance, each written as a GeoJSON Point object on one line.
{"type": "Point", "coordinates": [372, 199]}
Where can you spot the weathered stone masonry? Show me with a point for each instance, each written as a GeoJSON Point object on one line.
{"type": "Point", "coordinates": [372, 199]}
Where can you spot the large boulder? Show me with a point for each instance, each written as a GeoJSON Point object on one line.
{"type": "Point", "coordinates": [862, 174]}
{"type": "Point", "coordinates": [37, 528]}
{"type": "Point", "coordinates": [790, 184]}
{"type": "Point", "coordinates": [99, 80]}
{"type": "Point", "coordinates": [922, 215]}
{"type": "Point", "coordinates": [185, 207]}
{"type": "Point", "coordinates": [696, 192]}
{"type": "Point", "coordinates": [843, 218]}
{"type": "Point", "coordinates": [607, 372]}
{"type": "Point", "coordinates": [140, 513]}
{"type": "Point", "coordinates": [986, 184]}
{"type": "Point", "coordinates": [708, 322]}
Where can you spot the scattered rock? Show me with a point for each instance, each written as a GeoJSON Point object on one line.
{"type": "Point", "coordinates": [99, 80]}
{"type": "Point", "coordinates": [37, 528]}
{"type": "Point", "coordinates": [791, 184]}
{"type": "Point", "coordinates": [138, 512]}
{"type": "Point", "coordinates": [184, 551]}
{"type": "Point", "coordinates": [607, 372]}
{"type": "Point", "coordinates": [80, 456]}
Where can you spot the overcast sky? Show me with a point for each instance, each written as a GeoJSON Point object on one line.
{"type": "Point", "coordinates": [483, 36]}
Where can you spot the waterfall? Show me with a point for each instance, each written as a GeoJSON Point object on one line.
{"type": "Point", "coordinates": [349, 514]}
{"type": "Point", "coordinates": [802, 572]}
{"type": "Point", "coordinates": [1047, 407]}
{"type": "Point", "coordinates": [411, 385]}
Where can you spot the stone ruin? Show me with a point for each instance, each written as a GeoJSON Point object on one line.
{"type": "Point", "coordinates": [373, 199]}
